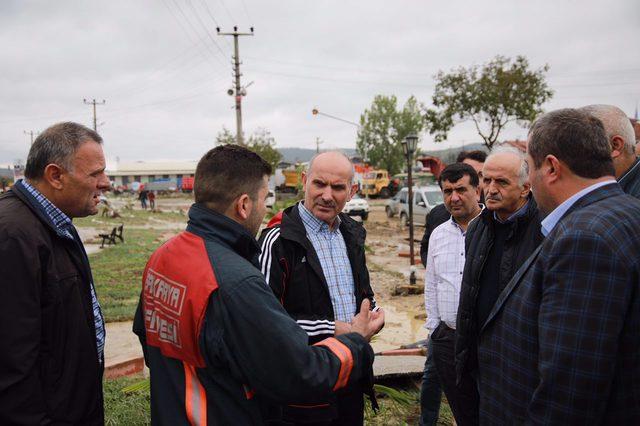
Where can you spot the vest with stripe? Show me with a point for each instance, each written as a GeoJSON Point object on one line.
{"type": "Point", "coordinates": [220, 348]}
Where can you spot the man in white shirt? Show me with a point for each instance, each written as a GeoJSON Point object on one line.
{"type": "Point", "coordinates": [445, 264]}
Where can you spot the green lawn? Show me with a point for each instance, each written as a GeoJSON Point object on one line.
{"type": "Point", "coordinates": [130, 409]}
{"type": "Point", "coordinates": [133, 408]}
{"type": "Point", "coordinates": [117, 272]}
{"type": "Point", "coordinates": [117, 269]}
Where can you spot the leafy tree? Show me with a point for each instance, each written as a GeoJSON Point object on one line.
{"type": "Point", "coordinates": [225, 137]}
{"type": "Point", "coordinates": [382, 129]}
{"type": "Point", "coordinates": [261, 142]}
{"type": "Point", "coordinates": [264, 144]}
{"type": "Point", "coordinates": [499, 92]}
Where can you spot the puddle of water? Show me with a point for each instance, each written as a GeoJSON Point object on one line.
{"type": "Point", "coordinates": [400, 328]}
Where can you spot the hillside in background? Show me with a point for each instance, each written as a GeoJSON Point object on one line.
{"type": "Point", "coordinates": [294, 155]}
{"type": "Point", "coordinates": [449, 155]}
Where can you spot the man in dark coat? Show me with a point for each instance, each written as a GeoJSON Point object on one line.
{"type": "Point", "coordinates": [561, 344]}
{"type": "Point", "coordinates": [314, 261]}
{"type": "Point", "coordinates": [220, 348]}
{"type": "Point", "coordinates": [53, 335]}
{"type": "Point", "coordinates": [497, 244]}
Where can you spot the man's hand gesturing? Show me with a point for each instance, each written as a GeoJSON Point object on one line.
{"type": "Point", "coordinates": [367, 323]}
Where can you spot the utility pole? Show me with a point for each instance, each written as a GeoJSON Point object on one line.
{"type": "Point", "coordinates": [239, 91]}
{"type": "Point", "coordinates": [318, 143]}
{"type": "Point", "coordinates": [95, 118]}
{"type": "Point", "coordinates": [30, 133]}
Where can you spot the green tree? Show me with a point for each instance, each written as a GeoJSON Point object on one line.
{"type": "Point", "coordinates": [261, 142]}
{"type": "Point", "coordinates": [225, 137]}
{"type": "Point", "coordinates": [500, 92]}
{"type": "Point", "coordinates": [264, 144]}
{"type": "Point", "coordinates": [382, 129]}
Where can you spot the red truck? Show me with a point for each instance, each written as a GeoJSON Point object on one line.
{"type": "Point", "coordinates": [187, 184]}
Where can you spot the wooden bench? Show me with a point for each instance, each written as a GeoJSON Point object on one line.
{"type": "Point", "coordinates": [110, 238]}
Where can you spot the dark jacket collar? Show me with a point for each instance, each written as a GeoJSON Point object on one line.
{"type": "Point", "coordinates": [630, 175]}
{"type": "Point", "coordinates": [20, 192]}
{"type": "Point", "coordinates": [531, 211]}
{"type": "Point", "coordinates": [212, 225]}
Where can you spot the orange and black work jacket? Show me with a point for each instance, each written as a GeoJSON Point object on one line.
{"type": "Point", "coordinates": [220, 347]}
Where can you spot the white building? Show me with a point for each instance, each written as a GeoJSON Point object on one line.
{"type": "Point", "coordinates": [123, 173]}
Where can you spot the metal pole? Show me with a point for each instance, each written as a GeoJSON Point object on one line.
{"type": "Point", "coordinates": [95, 119]}
{"type": "Point", "coordinates": [412, 276]}
{"type": "Point", "coordinates": [239, 136]}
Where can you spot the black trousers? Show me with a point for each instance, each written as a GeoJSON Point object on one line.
{"type": "Point", "coordinates": [463, 398]}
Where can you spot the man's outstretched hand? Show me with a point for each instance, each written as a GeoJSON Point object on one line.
{"type": "Point", "coordinates": [367, 323]}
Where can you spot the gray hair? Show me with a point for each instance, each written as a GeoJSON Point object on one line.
{"type": "Point", "coordinates": [523, 173]}
{"type": "Point", "coordinates": [616, 123]}
{"type": "Point", "coordinates": [340, 153]}
{"type": "Point", "coordinates": [58, 145]}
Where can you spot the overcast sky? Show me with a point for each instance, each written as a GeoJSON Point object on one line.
{"type": "Point", "coordinates": [164, 72]}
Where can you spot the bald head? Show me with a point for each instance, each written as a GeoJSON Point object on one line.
{"type": "Point", "coordinates": [328, 185]}
{"type": "Point", "coordinates": [335, 159]}
{"type": "Point", "coordinates": [619, 133]}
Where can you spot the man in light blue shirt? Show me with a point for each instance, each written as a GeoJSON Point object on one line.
{"type": "Point", "coordinates": [314, 261]}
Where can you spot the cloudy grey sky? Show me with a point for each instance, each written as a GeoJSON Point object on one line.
{"type": "Point", "coordinates": [164, 72]}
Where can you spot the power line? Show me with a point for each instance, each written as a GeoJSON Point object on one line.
{"type": "Point", "coordinates": [165, 67]}
{"type": "Point", "coordinates": [246, 11]}
{"type": "Point", "coordinates": [227, 10]}
{"type": "Point", "coordinates": [215, 21]}
{"type": "Point", "coordinates": [195, 12]}
{"type": "Point", "coordinates": [192, 29]}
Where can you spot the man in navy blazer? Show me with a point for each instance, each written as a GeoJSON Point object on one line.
{"type": "Point", "coordinates": [562, 343]}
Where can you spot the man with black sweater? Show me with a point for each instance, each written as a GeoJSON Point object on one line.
{"type": "Point", "coordinates": [496, 245]}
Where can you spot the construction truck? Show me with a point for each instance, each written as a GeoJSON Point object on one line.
{"type": "Point", "coordinates": [292, 181]}
{"type": "Point", "coordinates": [376, 184]}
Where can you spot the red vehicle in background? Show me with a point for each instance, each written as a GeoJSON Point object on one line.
{"type": "Point", "coordinates": [431, 164]}
{"type": "Point", "coordinates": [187, 184]}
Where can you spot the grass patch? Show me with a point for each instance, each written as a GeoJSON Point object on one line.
{"type": "Point", "coordinates": [132, 408]}
{"type": "Point", "coordinates": [126, 409]}
{"type": "Point", "coordinates": [130, 218]}
{"type": "Point", "coordinates": [404, 410]}
{"type": "Point", "coordinates": [117, 272]}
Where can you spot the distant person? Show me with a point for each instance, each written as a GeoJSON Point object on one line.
{"type": "Point", "coordinates": [431, 392]}
{"type": "Point", "coordinates": [561, 345]}
{"type": "Point", "coordinates": [152, 200]}
{"type": "Point", "coordinates": [497, 244]}
{"type": "Point", "coordinates": [220, 348]}
{"type": "Point", "coordinates": [314, 261]}
{"type": "Point", "coordinates": [622, 141]}
{"type": "Point", "coordinates": [52, 333]}
{"type": "Point", "coordinates": [143, 196]}
{"type": "Point", "coordinates": [445, 263]}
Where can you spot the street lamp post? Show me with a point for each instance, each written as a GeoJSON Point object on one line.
{"type": "Point", "coordinates": [409, 145]}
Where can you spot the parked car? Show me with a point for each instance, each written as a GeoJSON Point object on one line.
{"type": "Point", "coordinates": [357, 206]}
{"type": "Point", "coordinates": [424, 199]}
{"type": "Point", "coordinates": [271, 199]}
{"type": "Point", "coordinates": [392, 207]}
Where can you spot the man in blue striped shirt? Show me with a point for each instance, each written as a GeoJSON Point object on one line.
{"type": "Point", "coordinates": [315, 264]}
{"type": "Point", "coordinates": [52, 356]}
